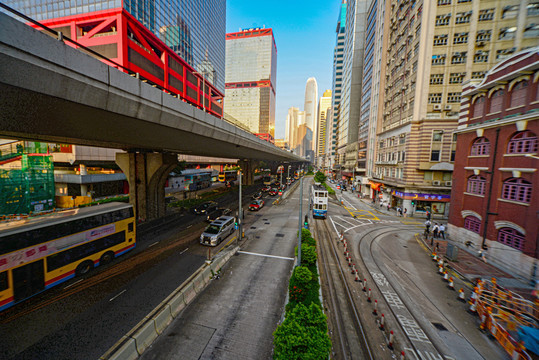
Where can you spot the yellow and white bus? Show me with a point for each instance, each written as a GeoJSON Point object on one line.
{"type": "Point", "coordinates": [40, 252]}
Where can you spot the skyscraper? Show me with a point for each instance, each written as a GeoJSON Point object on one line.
{"type": "Point", "coordinates": [311, 106]}
{"type": "Point", "coordinates": [292, 127]}
{"type": "Point", "coordinates": [251, 70]}
{"type": "Point", "coordinates": [324, 105]}
{"type": "Point", "coordinates": [194, 30]}
{"type": "Point", "coordinates": [349, 110]}
{"type": "Point", "coordinates": [338, 54]}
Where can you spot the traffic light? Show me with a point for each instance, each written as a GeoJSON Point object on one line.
{"type": "Point", "coordinates": [306, 222]}
{"type": "Point", "coordinates": [413, 202]}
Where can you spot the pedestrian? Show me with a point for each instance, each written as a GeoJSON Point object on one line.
{"type": "Point", "coordinates": [427, 225]}
{"type": "Point", "coordinates": [388, 206]}
{"type": "Point", "coordinates": [435, 229]}
{"type": "Point", "coordinates": [428, 215]}
{"type": "Point", "coordinates": [405, 212]}
{"type": "Point", "coordinates": [400, 212]}
{"type": "Point", "coordinates": [442, 231]}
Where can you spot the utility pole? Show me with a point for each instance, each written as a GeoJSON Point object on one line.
{"type": "Point", "coordinates": [240, 213]}
{"type": "Point", "coordinates": [299, 221]}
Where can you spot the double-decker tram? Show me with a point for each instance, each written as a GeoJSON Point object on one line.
{"type": "Point", "coordinates": [319, 201]}
{"type": "Point", "coordinates": [228, 175]}
{"type": "Point", "coordinates": [40, 252]}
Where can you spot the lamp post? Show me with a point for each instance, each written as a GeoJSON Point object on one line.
{"type": "Point", "coordinates": [299, 221]}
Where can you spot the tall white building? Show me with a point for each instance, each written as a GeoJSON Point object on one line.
{"type": "Point", "coordinates": [292, 127]}
{"type": "Point", "coordinates": [311, 103]}
{"type": "Point", "coordinates": [324, 105]}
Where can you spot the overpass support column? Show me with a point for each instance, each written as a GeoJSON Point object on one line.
{"type": "Point", "coordinates": [248, 171]}
{"type": "Point", "coordinates": [146, 174]}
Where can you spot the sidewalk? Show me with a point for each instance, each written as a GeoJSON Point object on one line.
{"type": "Point", "coordinates": [467, 264]}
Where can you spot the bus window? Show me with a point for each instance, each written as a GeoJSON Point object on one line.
{"type": "Point", "coordinates": [3, 281]}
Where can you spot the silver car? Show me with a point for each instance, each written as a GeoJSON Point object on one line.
{"type": "Point", "coordinates": [218, 230]}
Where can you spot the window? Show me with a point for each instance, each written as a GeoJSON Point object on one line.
{"type": "Point", "coordinates": [509, 12]}
{"type": "Point", "coordinates": [463, 17]}
{"type": "Point", "coordinates": [507, 33]}
{"type": "Point", "coordinates": [453, 97]}
{"type": "Point", "coordinates": [402, 139]}
{"type": "Point", "coordinates": [523, 142]}
{"type": "Point", "coordinates": [456, 78]}
{"type": "Point", "coordinates": [444, 2]}
{"type": "Point", "coordinates": [458, 58]}
{"type": "Point", "coordinates": [4, 284]}
{"type": "Point", "coordinates": [435, 98]}
{"type": "Point", "coordinates": [435, 155]}
{"type": "Point", "coordinates": [442, 20]}
{"type": "Point", "coordinates": [511, 237]}
{"type": "Point", "coordinates": [438, 59]}
{"type": "Point", "coordinates": [486, 14]}
{"type": "Point", "coordinates": [480, 146]}
{"type": "Point", "coordinates": [517, 189]}
{"type": "Point", "coordinates": [483, 35]}
{"type": "Point", "coordinates": [496, 101]}
{"type": "Point", "coordinates": [440, 40]}
{"type": "Point", "coordinates": [437, 135]}
{"type": "Point", "coordinates": [518, 93]}
{"type": "Point", "coordinates": [476, 185]}
{"type": "Point", "coordinates": [479, 106]}
{"type": "Point", "coordinates": [436, 79]}
{"type": "Point", "coordinates": [472, 223]}
{"type": "Point", "coordinates": [453, 153]}
{"type": "Point", "coordinates": [533, 9]}
{"type": "Point", "coordinates": [476, 75]}
{"type": "Point", "coordinates": [531, 31]}
{"type": "Point", "coordinates": [460, 38]}
{"type": "Point", "coordinates": [480, 56]}
{"type": "Point", "coordinates": [504, 53]}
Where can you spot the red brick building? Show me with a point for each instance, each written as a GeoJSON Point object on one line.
{"type": "Point", "coordinates": [495, 195]}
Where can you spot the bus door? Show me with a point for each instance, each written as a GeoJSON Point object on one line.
{"type": "Point", "coordinates": [28, 280]}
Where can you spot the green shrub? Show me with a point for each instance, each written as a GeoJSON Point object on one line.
{"type": "Point", "coordinates": [303, 335]}
{"type": "Point", "coordinates": [306, 238]}
{"type": "Point", "coordinates": [329, 189]}
{"type": "Point", "coordinates": [319, 177]}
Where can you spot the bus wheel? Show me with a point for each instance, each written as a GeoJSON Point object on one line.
{"type": "Point", "coordinates": [84, 268]}
{"type": "Point", "coordinates": [106, 258]}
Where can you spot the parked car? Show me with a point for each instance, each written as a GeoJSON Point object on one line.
{"type": "Point", "coordinates": [218, 230]}
{"type": "Point", "coordinates": [205, 207]}
{"type": "Point", "coordinates": [214, 215]}
{"type": "Point", "coordinates": [257, 196]}
{"type": "Point", "coordinates": [273, 192]}
{"type": "Point", "coordinates": [266, 188]}
{"type": "Point", "coordinates": [256, 205]}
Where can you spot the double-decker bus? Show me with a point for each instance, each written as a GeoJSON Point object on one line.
{"type": "Point", "coordinates": [196, 179]}
{"type": "Point", "coordinates": [228, 175]}
{"type": "Point", "coordinates": [269, 179]}
{"type": "Point", "coordinates": [40, 252]}
{"type": "Point", "coordinates": [319, 201]}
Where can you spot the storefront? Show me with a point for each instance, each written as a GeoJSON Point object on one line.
{"type": "Point", "coordinates": [436, 204]}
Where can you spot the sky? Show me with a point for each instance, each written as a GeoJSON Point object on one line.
{"type": "Point", "coordinates": [304, 32]}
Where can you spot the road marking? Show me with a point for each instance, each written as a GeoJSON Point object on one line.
{"type": "Point", "coordinates": [184, 250]}
{"type": "Point", "coordinates": [76, 282]}
{"type": "Point", "coordinates": [340, 217]}
{"type": "Point", "coordinates": [118, 295]}
{"type": "Point", "coordinates": [189, 226]}
{"type": "Point", "coordinates": [265, 255]}
{"type": "Point", "coordinates": [155, 243]}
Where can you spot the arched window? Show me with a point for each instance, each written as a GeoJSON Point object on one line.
{"type": "Point", "coordinates": [496, 101]}
{"type": "Point", "coordinates": [476, 185]}
{"type": "Point", "coordinates": [480, 146]}
{"type": "Point", "coordinates": [472, 223]}
{"type": "Point", "coordinates": [523, 142]}
{"type": "Point", "coordinates": [478, 106]}
{"type": "Point", "coordinates": [517, 189]}
{"type": "Point", "coordinates": [511, 237]}
{"type": "Point", "coordinates": [519, 92]}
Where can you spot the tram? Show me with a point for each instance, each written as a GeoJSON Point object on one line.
{"type": "Point", "coordinates": [319, 201]}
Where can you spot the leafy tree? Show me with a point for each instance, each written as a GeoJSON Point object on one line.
{"type": "Point", "coordinates": [306, 238]}
{"type": "Point", "coordinates": [319, 177]}
{"type": "Point", "coordinates": [303, 335]}
{"type": "Point", "coordinates": [303, 275]}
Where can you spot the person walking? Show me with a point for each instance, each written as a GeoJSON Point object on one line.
{"type": "Point", "coordinates": [405, 212]}
{"type": "Point", "coordinates": [442, 231]}
{"type": "Point", "coordinates": [427, 225]}
{"type": "Point", "coordinates": [435, 229]}
{"type": "Point", "coordinates": [428, 215]}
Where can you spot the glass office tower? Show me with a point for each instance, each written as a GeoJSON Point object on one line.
{"type": "Point", "coordinates": [194, 29]}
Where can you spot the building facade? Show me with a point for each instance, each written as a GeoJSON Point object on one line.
{"type": "Point", "coordinates": [324, 105]}
{"type": "Point", "coordinates": [433, 46]}
{"type": "Point", "coordinates": [496, 165]}
{"type": "Point", "coordinates": [310, 107]}
{"type": "Point", "coordinates": [251, 72]}
{"type": "Point", "coordinates": [338, 64]}
{"type": "Point", "coordinates": [292, 127]}
{"type": "Point", "coordinates": [194, 31]}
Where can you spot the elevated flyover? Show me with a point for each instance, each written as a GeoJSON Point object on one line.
{"type": "Point", "coordinates": [52, 92]}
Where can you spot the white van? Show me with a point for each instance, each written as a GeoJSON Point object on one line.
{"type": "Point", "coordinates": [217, 231]}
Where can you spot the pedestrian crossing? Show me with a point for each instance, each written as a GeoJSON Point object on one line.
{"type": "Point", "coordinates": [345, 223]}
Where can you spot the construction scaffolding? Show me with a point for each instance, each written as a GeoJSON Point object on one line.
{"type": "Point", "coordinates": [508, 317]}
{"type": "Point", "coordinates": [26, 181]}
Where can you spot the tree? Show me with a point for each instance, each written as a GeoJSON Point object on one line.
{"type": "Point", "coordinates": [319, 177]}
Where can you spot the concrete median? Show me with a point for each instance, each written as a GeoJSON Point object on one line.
{"type": "Point", "coordinates": [127, 351]}
{"type": "Point", "coordinates": [177, 304]}
{"type": "Point", "coordinates": [162, 319]}
{"type": "Point", "coordinates": [145, 335]}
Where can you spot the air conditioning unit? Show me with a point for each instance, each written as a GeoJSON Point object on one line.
{"type": "Point", "coordinates": [436, 183]}
{"type": "Point", "coordinates": [448, 108]}
{"type": "Point", "coordinates": [448, 183]}
{"type": "Point", "coordinates": [437, 107]}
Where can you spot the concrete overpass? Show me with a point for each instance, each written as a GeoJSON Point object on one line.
{"type": "Point", "coordinates": [55, 93]}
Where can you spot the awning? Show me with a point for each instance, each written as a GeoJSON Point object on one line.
{"type": "Point", "coordinates": [375, 186]}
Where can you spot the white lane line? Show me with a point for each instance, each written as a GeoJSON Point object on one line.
{"type": "Point", "coordinates": [271, 256]}
{"type": "Point", "coordinates": [118, 295]}
{"type": "Point", "coordinates": [155, 243]}
{"type": "Point", "coordinates": [336, 232]}
{"type": "Point", "coordinates": [76, 282]}
{"type": "Point", "coordinates": [353, 224]}
{"type": "Point", "coordinates": [184, 250]}
{"type": "Point", "coordinates": [189, 226]}
{"type": "Point", "coordinates": [349, 203]}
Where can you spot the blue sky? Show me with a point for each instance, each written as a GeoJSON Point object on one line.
{"type": "Point", "coordinates": [304, 33]}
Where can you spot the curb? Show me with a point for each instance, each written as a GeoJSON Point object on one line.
{"type": "Point", "coordinates": [140, 337]}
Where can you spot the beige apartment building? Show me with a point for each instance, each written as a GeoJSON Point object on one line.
{"type": "Point", "coordinates": [433, 46]}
